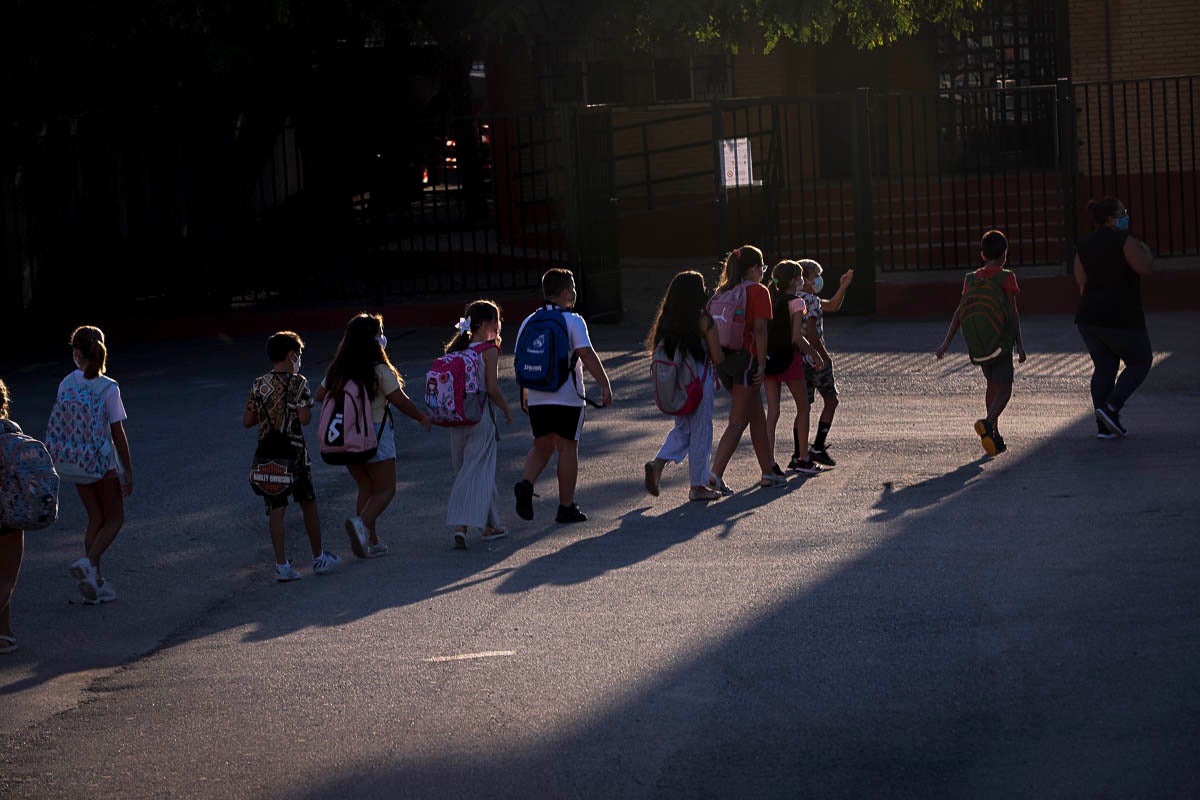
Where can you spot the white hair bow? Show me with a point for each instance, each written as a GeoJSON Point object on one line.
{"type": "Point", "coordinates": [464, 325]}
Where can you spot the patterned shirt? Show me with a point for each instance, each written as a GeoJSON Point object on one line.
{"type": "Point", "coordinates": [275, 396]}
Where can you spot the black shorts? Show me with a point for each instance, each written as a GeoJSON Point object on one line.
{"type": "Point", "coordinates": [1000, 370]}
{"type": "Point", "coordinates": [563, 421]}
{"type": "Point", "coordinates": [302, 491]}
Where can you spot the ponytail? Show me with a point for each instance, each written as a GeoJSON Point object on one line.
{"type": "Point", "coordinates": [736, 263]}
{"type": "Point", "coordinates": [89, 341]}
{"type": "Point", "coordinates": [473, 318]}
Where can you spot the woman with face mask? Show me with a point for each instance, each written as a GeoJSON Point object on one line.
{"type": "Point", "coordinates": [1109, 263]}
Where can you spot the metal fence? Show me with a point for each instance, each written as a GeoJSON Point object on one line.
{"type": "Point", "coordinates": [1139, 140]}
{"type": "Point", "coordinates": [904, 181]}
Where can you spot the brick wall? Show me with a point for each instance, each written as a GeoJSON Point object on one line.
{"type": "Point", "coordinates": [1150, 38]}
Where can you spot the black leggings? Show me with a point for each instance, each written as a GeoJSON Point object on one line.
{"type": "Point", "coordinates": [1108, 348]}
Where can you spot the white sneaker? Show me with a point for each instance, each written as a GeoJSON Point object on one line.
{"type": "Point", "coordinates": [459, 540]}
{"type": "Point", "coordinates": [286, 572]}
{"type": "Point", "coordinates": [105, 594]}
{"type": "Point", "coordinates": [359, 536]}
{"type": "Point", "coordinates": [324, 562]}
{"type": "Point", "coordinates": [84, 571]}
{"type": "Point", "coordinates": [376, 550]}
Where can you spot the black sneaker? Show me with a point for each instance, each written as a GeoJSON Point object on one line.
{"type": "Point", "coordinates": [1111, 420]}
{"type": "Point", "coordinates": [570, 513]}
{"type": "Point", "coordinates": [775, 468]}
{"type": "Point", "coordinates": [1000, 445]}
{"type": "Point", "coordinates": [805, 467]}
{"type": "Point", "coordinates": [1104, 433]}
{"type": "Point", "coordinates": [819, 455]}
{"type": "Point", "coordinates": [524, 492]}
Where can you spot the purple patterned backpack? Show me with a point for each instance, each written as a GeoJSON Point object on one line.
{"type": "Point", "coordinates": [28, 482]}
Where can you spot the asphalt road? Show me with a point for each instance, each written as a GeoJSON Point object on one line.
{"type": "Point", "coordinates": [918, 622]}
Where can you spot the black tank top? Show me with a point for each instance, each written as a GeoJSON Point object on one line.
{"type": "Point", "coordinates": [1112, 296]}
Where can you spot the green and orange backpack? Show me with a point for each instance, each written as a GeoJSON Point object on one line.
{"type": "Point", "coordinates": [985, 321]}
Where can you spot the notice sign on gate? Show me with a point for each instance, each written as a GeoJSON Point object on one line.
{"type": "Point", "coordinates": [735, 162]}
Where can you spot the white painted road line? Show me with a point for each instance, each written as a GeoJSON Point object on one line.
{"type": "Point", "coordinates": [469, 656]}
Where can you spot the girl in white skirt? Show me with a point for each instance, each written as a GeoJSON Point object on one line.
{"type": "Point", "coordinates": [473, 447]}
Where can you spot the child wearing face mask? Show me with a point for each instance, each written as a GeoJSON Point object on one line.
{"type": "Point", "coordinates": [86, 437]}
{"type": "Point", "coordinates": [282, 400]}
{"type": "Point", "coordinates": [362, 357]}
{"type": "Point", "coordinates": [820, 381]}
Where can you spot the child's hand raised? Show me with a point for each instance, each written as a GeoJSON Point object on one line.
{"type": "Point", "coordinates": [847, 276]}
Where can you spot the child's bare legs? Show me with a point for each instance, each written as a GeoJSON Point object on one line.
{"type": "Point", "coordinates": [997, 397]}
{"type": "Point", "coordinates": [774, 390]}
{"type": "Point", "coordinates": [799, 390]}
{"type": "Point", "coordinates": [312, 526]}
{"type": "Point", "coordinates": [568, 470]}
{"type": "Point", "coordinates": [376, 487]}
{"type": "Point", "coordinates": [105, 508]}
{"type": "Point", "coordinates": [539, 456]}
{"type": "Point", "coordinates": [745, 408]}
{"type": "Point", "coordinates": [276, 527]}
{"type": "Point", "coordinates": [12, 550]}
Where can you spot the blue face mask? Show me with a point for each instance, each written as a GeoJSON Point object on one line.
{"type": "Point", "coordinates": [818, 284]}
{"type": "Point", "coordinates": [1123, 223]}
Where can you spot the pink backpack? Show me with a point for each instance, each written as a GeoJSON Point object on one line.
{"type": "Point", "coordinates": [454, 389]}
{"type": "Point", "coordinates": [728, 310]}
{"type": "Point", "coordinates": [678, 381]}
{"type": "Point", "coordinates": [347, 434]}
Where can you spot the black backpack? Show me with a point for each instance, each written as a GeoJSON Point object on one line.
{"type": "Point", "coordinates": [780, 350]}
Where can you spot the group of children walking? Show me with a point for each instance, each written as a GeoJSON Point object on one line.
{"type": "Point", "coordinates": [750, 337]}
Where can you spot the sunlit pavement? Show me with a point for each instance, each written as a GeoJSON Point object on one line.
{"type": "Point", "coordinates": [919, 621]}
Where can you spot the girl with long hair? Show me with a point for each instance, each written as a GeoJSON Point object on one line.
{"type": "Point", "coordinates": [683, 323]}
{"type": "Point", "coordinates": [362, 358]}
{"type": "Point", "coordinates": [743, 369]}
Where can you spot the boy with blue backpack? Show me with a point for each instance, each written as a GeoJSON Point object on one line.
{"type": "Point", "coordinates": [991, 326]}
{"type": "Point", "coordinates": [552, 351]}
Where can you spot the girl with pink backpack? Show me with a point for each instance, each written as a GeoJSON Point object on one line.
{"type": "Point", "coordinates": [683, 324]}
{"type": "Point", "coordinates": [356, 430]}
{"type": "Point", "coordinates": [473, 444]}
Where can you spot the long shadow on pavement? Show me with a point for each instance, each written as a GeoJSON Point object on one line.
{"type": "Point", "coordinates": [1032, 634]}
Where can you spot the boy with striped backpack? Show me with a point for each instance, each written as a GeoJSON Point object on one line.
{"type": "Point", "coordinates": [991, 326]}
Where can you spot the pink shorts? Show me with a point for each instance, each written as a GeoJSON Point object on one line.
{"type": "Point", "coordinates": [794, 372]}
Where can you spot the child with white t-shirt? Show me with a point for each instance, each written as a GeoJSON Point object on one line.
{"type": "Point", "coordinates": [103, 498]}
{"type": "Point", "coordinates": [556, 418]}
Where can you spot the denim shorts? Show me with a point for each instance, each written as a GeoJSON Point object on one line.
{"type": "Point", "coordinates": [387, 442]}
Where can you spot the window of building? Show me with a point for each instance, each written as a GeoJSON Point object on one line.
{"type": "Point", "coordinates": [592, 75]}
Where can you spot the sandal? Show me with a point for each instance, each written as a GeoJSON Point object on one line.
{"type": "Point", "coordinates": [459, 540]}
{"type": "Point", "coordinates": [719, 485]}
{"type": "Point", "coordinates": [653, 477]}
{"type": "Point", "coordinates": [703, 494]}
{"type": "Point", "coordinates": [772, 482]}
{"type": "Point", "coordinates": [494, 533]}
{"type": "Point", "coordinates": [8, 644]}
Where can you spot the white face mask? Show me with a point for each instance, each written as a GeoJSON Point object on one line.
{"type": "Point", "coordinates": [818, 284]}
{"type": "Point", "coordinates": [297, 367]}
{"type": "Point", "coordinates": [382, 341]}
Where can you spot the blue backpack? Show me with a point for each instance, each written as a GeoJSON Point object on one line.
{"type": "Point", "coordinates": [543, 359]}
